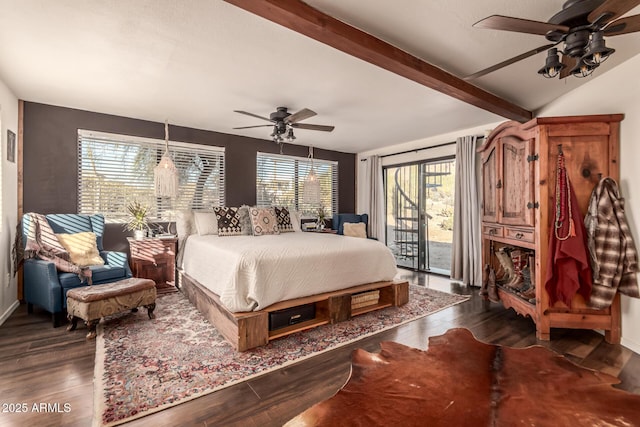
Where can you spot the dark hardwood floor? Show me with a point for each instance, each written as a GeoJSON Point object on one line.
{"type": "Point", "coordinates": [40, 364]}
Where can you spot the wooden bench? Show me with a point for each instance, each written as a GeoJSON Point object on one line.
{"type": "Point", "coordinates": [91, 303]}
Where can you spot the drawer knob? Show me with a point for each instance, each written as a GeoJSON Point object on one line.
{"type": "Point", "coordinates": [519, 235]}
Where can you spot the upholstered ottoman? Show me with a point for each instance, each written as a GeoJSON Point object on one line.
{"type": "Point", "coordinates": [91, 303]}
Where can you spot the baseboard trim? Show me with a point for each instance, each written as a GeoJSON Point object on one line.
{"type": "Point", "coordinates": [631, 345]}
{"type": "Point", "coordinates": [9, 311]}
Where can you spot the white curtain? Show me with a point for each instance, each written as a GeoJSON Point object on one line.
{"type": "Point", "coordinates": [466, 261]}
{"type": "Point", "coordinates": [376, 193]}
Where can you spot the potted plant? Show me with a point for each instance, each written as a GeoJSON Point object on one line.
{"type": "Point", "coordinates": [321, 218]}
{"type": "Point", "coordinates": [138, 221]}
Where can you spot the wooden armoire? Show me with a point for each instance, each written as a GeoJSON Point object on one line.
{"type": "Point", "coordinates": [519, 174]}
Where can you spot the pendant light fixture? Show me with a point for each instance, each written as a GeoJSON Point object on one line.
{"type": "Point", "coordinates": [165, 173]}
{"type": "Point", "coordinates": [552, 66]}
{"type": "Point", "coordinates": [311, 189]}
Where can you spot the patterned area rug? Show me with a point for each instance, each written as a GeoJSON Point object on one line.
{"type": "Point", "coordinates": [145, 366]}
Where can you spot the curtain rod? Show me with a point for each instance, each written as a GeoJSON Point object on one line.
{"type": "Point", "coordinates": [420, 149]}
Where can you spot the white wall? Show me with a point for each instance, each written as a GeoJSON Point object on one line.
{"type": "Point", "coordinates": [8, 285]}
{"type": "Point", "coordinates": [617, 91]}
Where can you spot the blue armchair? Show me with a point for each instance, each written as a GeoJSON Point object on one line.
{"type": "Point", "coordinates": [46, 287]}
{"type": "Point", "coordinates": [337, 223]}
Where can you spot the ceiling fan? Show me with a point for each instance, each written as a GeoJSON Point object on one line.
{"type": "Point", "coordinates": [581, 25]}
{"type": "Point", "coordinates": [284, 122]}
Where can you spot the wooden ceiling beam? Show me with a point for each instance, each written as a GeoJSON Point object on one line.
{"type": "Point", "coordinates": [302, 18]}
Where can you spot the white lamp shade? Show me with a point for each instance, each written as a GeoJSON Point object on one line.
{"type": "Point", "coordinates": [311, 190]}
{"type": "Point", "coordinates": [165, 176]}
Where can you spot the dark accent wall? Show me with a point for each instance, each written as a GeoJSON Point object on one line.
{"type": "Point", "coordinates": [51, 157]}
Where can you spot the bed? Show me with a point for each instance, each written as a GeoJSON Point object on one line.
{"type": "Point", "coordinates": [237, 281]}
{"type": "Point", "coordinates": [250, 273]}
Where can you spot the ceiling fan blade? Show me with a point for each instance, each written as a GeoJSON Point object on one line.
{"type": "Point", "coordinates": [611, 9]}
{"type": "Point", "coordinates": [257, 126]}
{"type": "Point", "coordinates": [509, 62]}
{"type": "Point", "coordinates": [313, 127]}
{"type": "Point", "coordinates": [569, 63]}
{"type": "Point", "coordinates": [507, 23]}
{"type": "Point", "coordinates": [252, 115]}
{"type": "Point", "coordinates": [305, 113]}
{"type": "Point", "coordinates": [627, 25]}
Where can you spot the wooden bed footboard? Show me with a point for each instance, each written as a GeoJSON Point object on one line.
{"type": "Point", "coordinates": [251, 329]}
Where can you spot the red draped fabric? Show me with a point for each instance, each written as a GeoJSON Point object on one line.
{"type": "Point", "coordinates": [568, 267]}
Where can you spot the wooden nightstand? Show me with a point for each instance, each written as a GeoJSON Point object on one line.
{"type": "Point", "coordinates": [154, 258]}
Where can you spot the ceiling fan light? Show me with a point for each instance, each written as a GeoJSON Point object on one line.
{"type": "Point", "coordinates": [290, 136]}
{"type": "Point", "coordinates": [552, 66]}
{"type": "Point", "coordinates": [597, 52]}
{"type": "Point", "coordinates": [583, 69]}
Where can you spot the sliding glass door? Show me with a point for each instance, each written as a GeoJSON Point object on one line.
{"type": "Point", "coordinates": [419, 213]}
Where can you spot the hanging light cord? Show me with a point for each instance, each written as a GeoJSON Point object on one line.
{"type": "Point", "coordinates": [166, 136]}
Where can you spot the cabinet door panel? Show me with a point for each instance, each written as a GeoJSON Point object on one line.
{"type": "Point", "coordinates": [158, 272]}
{"type": "Point", "coordinates": [517, 181]}
{"type": "Point", "coordinates": [490, 186]}
{"type": "Point", "coordinates": [587, 159]}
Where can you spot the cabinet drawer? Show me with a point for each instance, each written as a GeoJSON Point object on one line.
{"type": "Point", "coordinates": [492, 230]}
{"type": "Point", "coordinates": [151, 248]}
{"type": "Point", "coordinates": [521, 234]}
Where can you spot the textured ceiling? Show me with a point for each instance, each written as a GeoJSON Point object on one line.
{"type": "Point", "coordinates": [193, 62]}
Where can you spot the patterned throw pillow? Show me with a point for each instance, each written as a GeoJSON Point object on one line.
{"type": "Point", "coordinates": [228, 221]}
{"type": "Point", "coordinates": [264, 221]}
{"type": "Point", "coordinates": [284, 219]}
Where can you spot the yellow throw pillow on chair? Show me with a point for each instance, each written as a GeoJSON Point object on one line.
{"type": "Point", "coordinates": [82, 248]}
{"type": "Point", "coordinates": [355, 229]}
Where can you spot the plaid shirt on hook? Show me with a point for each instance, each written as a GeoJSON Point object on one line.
{"type": "Point", "coordinates": [614, 259]}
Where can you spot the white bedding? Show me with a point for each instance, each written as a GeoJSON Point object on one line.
{"type": "Point", "coordinates": [252, 272]}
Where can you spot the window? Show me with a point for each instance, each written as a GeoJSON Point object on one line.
{"type": "Point", "coordinates": [114, 170]}
{"type": "Point", "coordinates": [280, 181]}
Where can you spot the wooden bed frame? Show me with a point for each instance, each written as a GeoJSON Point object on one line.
{"type": "Point", "coordinates": [251, 329]}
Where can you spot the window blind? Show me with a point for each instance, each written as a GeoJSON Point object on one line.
{"type": "Point", "coordinates": [114, 170]}
{"type": "Point", "coordinates": [280, 182]}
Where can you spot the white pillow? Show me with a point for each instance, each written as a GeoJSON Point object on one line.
{"type": "Point", "coordinates": [295, 220]}
{"type": "Point", "coordinates": [355, 229]}
{"type": "Point", "coordinates": [184, 223]}
{"type": "Point", "coordinates": [206, 223]}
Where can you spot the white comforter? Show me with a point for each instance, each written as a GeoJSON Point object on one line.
{"type": "Point", "coordinates": [252, 272]}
